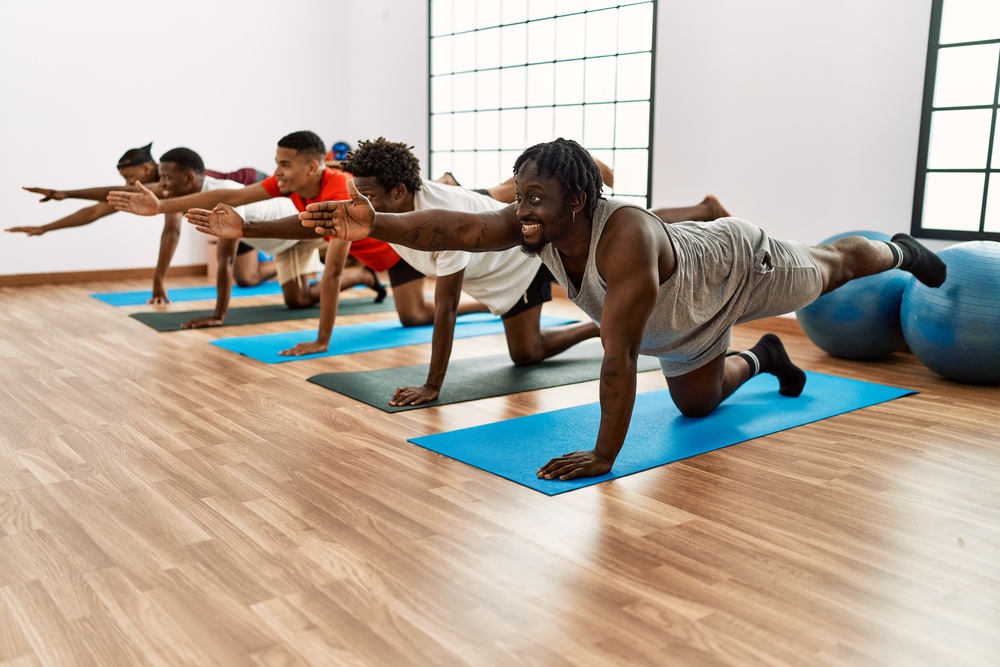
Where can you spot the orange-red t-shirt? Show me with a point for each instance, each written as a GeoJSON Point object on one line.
{"type": "Point", "coordinates": [376, 255]}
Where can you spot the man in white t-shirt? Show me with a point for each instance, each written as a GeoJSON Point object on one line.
{"type": "Point", "coordinates": [509, 283]}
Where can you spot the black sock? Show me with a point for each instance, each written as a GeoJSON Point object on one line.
{"type": "Point", "coordinates": [380, 292]}
{"type": "Point", "coordinates": [769, 356]}
{"type": "Point", "coordinates": [911, 256]}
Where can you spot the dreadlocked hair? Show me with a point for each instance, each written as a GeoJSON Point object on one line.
{"type": "Point", "coordinates": [570, 164]}
{"type": "Point", "coordinates": [388, 162]}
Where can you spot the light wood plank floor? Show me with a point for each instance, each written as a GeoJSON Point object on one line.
{"type": "Point", "coordinates": [164, 502]}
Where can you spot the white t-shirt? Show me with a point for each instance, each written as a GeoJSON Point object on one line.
{"type": "Point", "coordinates": [495, 279]}
{"type": "Point", "coordinates": [268, 209]}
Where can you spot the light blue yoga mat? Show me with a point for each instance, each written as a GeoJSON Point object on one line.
{"type": "Point", "coordinates": [515, 449]}
{"type": "Point", "coordinates": [185, 294]}
{"type": "Point", "coordinates": [353, 338]}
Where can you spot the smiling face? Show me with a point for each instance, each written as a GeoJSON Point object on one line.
{"type": "Point", "coordinates": [545, 213]}
{"type": "Point", "coordinates": [294, 171]}
{"type": "Point", "coordinates": [177, 182]}
{"type": "Point", "coordinates": [144, 173]}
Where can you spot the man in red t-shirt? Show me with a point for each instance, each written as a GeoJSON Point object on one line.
{"type": "Point", "coordinates": [300, 175]}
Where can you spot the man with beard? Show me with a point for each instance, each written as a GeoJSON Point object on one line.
{"type": "Point", "coordinates": [673, 291]}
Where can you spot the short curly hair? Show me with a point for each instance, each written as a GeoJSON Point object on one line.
{"type": "Point", "coordinates": [570, 164]}
{"type": "Point", "coordinates": [185, 159]}
{"type": "Point", "coordinates": [388, 162]}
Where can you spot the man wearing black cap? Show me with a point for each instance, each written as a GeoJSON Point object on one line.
{"type": "Point", "coordinates": [137, 164]}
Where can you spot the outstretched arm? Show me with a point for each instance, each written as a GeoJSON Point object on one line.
{"type": "Point", "coordinates": [225, 223]}
{"type": "Point", "coordinates": [329, 299]}
{"type": "Point", "coordinates": [447, 293]}
{"type": "Point", "coordinates": [144, 201]}
{"type": "Point", "coordinates": [84, 216]}
{"type": "Point", "coordinates": [632, 287]}
{"type": "Point", "coordinates": [429, 230]}
{"type": "Point", "coordinates": [94, 194]}
{"type": "Point", "coordinates": [48, 194]}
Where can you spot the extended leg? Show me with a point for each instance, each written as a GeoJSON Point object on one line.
{"type": "Point", "coordinates": [855, 257]}
{"type": "Point", "coordinates": [710, 208]}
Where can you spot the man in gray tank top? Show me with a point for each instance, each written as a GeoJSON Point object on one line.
{"type": "Point", "coordinates": [673, 291]}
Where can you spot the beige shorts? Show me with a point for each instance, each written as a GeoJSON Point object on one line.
{"type": "Point", "coordinates": [301, 259]}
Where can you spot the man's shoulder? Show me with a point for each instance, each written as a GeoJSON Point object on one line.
{"type": "Point", "coordinates": [211, 183]}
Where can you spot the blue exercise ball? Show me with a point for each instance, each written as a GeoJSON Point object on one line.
{"type": "Point", "coordinates": [954, 329]}
{"type": "Point", "coordinates": [859, 320]}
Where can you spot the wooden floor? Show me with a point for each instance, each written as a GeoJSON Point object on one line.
{"type": "Point", "coordinates": [165, 502]}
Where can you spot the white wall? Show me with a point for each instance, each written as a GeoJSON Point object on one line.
{"type": "Point", "coordinates": [802, 117]}
{"type": "Point", "coordinates": [81, 83]}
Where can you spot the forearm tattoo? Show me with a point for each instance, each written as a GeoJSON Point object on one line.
{"type": "Point", "coordinates": [429, 235]}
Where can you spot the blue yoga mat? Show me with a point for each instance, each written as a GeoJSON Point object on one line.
{"type": "Point", "coordinates": [515, 449]}
{"type": "Point", "coordinates": [185, 294]}
{"type": "Point", "coordinates": [364, 337]}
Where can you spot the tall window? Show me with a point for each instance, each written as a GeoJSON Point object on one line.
{"type": "Point", "coordinates": [507, 74]}
{"type": "Point", "coordinates": [957, 193]}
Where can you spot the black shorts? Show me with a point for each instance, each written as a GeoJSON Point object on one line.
{"type": "Point", "coordinates": [244, 248]}
{"type": "Point", "coordinates": [538, 292]}
{"type": "Point", "coordinates": [482, 191]}
{"type": "Point", "coordinates": [401, 273]}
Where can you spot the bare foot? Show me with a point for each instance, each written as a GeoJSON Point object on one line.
{"type": "Point", "coordinates": [447, 179]}
{"type": "Point", "coordinates": [715, 207]}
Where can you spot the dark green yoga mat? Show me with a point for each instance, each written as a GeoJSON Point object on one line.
{"type": "Point", "coordinates": [171, 321]}
{"type": "Point", "coordinates": [472, 379]}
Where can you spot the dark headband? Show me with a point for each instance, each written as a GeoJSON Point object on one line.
{"type": "Point", "coordinates": [139, 156]}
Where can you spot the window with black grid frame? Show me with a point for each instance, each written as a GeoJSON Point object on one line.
{"type": "Point", "coordinates": [507, 74]}
{"type": "Point", "coordinates": [957, 194]}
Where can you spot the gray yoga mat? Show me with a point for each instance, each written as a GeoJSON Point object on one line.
{"type": "Point", "coordinates": [472, 379]}
{"type": "Point", "coordinates": [172, 320]}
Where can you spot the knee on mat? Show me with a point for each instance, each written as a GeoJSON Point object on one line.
{"type": "Point", "coordinates": [527, 357]}
{"type": "Point", "coordinates": [300, 302]}
{"type": "Point", "coordinates": [414, 321]}
{"type": "Point", "coordinates": [696, 408]}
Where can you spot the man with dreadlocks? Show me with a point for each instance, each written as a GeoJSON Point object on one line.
{"type": "Point", "coordinates": [673, 291]}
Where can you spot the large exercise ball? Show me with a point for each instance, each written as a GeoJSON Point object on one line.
{"type": "Point", "coordinates": [954, 329]}
{"type": "Point", "coordinates": [859, 320]}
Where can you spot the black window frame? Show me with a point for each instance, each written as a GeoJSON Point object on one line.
{"type": "Point", "coordinates": [991, 171]}
{"type": "Point", "coordinates": [652, 94]}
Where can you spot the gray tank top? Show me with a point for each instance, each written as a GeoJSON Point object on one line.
{"type": "Point", "coordinates": [691, 322]}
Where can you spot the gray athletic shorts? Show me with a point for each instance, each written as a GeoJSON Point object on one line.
{"type": "Point", "coordinates": [728, 271]}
